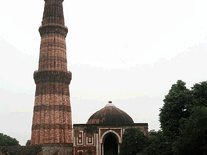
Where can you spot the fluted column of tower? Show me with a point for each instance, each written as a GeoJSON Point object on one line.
{"type": "Point", "coordinates": [52, 111]}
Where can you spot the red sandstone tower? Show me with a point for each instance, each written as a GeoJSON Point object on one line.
{"type": "Point", "coordinates": [52, 111]}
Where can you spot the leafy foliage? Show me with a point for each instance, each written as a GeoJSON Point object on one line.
{"type": "Point", "coordinates": [152, 132]}
{"type": "Point", "coordinates": [175, 107]}
{"type": "Point", "coordinates": [7, 140]}
{"type": "Point", "coordinates": [193, 133]}
{"type": "Point", "coordinates": [133, 141]}
{"type": "Point", "coordinates": [28, 142]}
{"type": "Point", "coordinates": [157, 145]}
{"type": "Point", "coordinates": [183, 118]}
{"type": "Point", "coordinates": [199, 93]}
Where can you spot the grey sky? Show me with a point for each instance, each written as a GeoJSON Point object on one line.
{"type": "Point", "coordinates": [127, 51]}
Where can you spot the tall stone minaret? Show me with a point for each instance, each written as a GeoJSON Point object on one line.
{"type": "Point", "coordinates": [52, 122]}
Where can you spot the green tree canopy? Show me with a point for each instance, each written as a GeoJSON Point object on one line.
{"type": "Point", "coordinates": [175, 108]}
{"type": "Point", "coordinates": [199, 94]}
{"type": "Point", "coordinates": [133, 141]}
{"type": "Point", "coordinates": [7, 140]}
{"type": "Point", "coordinates": [183, 118]}
{"type": "Point", "coordinates": [193, 133]}
{"type": "Point", "coordinates": [157, 145]}
{"type": "Point", "coordinates": [28, 142]}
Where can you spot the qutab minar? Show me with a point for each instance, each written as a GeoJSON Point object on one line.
{"type": "Point", "coordinates": [52, 122]}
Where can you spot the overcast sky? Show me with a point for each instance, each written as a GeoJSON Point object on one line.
{"type": "Point", "coordinates": [126, 51]}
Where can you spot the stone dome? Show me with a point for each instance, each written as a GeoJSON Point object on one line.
{"type": "Point", "coordinates": [110, 115]}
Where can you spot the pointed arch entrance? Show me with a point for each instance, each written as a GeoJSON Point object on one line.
{"type": "Point", "coordinates": [110, 144]}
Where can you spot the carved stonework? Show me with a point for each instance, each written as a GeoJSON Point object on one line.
{"type": "Point", "coordinates": [63, 108]}
{"type": "Point", "coordinates": [52, 76]}
{"type": "Point", "coordinates": [54, 43]}
{"type": "Point", "coordinates": [50, 126]}
{"type": "Point", "coordinates": [53, 29]}
{"type": "Point", "coordinates": [117, 131]}
{"type": "Point", "coordinates": [103, 131]}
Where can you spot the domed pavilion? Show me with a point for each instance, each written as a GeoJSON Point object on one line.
{"type": "Point", "coordinates": [103, 131]}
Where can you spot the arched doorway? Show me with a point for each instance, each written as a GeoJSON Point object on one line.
{"type": "Point", "coordinates": [110, 144]}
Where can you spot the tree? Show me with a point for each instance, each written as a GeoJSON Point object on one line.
{"type": "Point", "coordinates": [28, 142]}
{"type": "Point", "coordinates": [175, 107]}
{"type": "Point", "coordinates": [157, 145]}
{"type": "Point", "coordinates": [133, 141]}
{"type": "Point", "coordinates": [193, 133]}
{"type": "Point", "coordinates": [152, 132]}
{"type": "Point", "coordinates": [199, 93]}
{"type": "Point", "coordinates": [183, 118]}
{"type": "Point", "coordinates": [7, 140]}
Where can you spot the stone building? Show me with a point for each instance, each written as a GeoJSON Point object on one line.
{"type": "Point", "coordinates": [52, 123]}
{"type": "Point", "coordinates": [103, 131]}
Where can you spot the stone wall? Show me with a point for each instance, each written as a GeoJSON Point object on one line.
{"type": "Point", "coordinates": [36, 150]}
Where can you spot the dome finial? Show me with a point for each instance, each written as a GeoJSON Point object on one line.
{"type": "Point", "coordinates": [110, 104]}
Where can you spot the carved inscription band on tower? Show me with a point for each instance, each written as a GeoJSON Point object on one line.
{"type": "Point", "coordinates": [52, 111]}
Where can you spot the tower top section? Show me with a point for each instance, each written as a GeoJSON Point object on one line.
{"type": "Point", "coordinates": [53, 18]}
{"type": "Point", "coordinates": [53, 13]}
